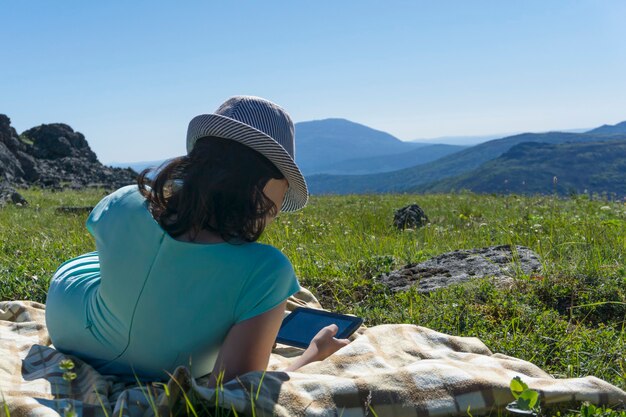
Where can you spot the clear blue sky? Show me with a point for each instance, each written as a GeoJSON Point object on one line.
{"type": "Point", "coordinates": [131, 74]}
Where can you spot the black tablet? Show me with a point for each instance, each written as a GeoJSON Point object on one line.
{"type": "Point", "coordinates": [299, 327]}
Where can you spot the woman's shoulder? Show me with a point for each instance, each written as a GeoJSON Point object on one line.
{"type": "Point", "coordinates": [118, 206]}
{"type": "Point", "coordinates": [129, 191]}
{"type": "Point", "coordinates": [267, 258]}
{"type": "Point", "coordinates": [266, 251]}
{"type": "Point", "coordinates": [125, 196]}
{"type": "Point", "coordinates": [117, 196]}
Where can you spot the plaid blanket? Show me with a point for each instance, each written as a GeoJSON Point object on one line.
{"type": "Point", "coordinates": [395, 370]}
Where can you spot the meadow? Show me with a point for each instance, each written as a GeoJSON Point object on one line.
{"type": "Point", "coordinates": [569, 320]}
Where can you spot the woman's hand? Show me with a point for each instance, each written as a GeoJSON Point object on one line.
{"type": "Point", "coordinates": [325, 344]}
{"type": "Point", "coordinates": [322, 346]}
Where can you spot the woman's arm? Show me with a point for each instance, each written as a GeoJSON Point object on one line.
{"type": "Point", "coordinates": [248, 345]}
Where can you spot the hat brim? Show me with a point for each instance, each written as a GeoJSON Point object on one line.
{"type": "Point", "coordinates": [224, 127]}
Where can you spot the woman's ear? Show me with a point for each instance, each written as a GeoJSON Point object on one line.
{"type": "Point", "coordinates": [275, 190]}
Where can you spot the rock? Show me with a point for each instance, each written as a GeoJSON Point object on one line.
{"type": "Point", "coordinates": [77, 173]}
{"type": "Point", "coordinates": [29, 166]}
{"type": "Point", "coordinates": [8, 135]}
{"type": "Point", "coordinates": [498, 262]}
{"type": "Point", "coordinates": [9, 195]}
{"type": "Point", "coordinates": [58, 140]}
{"type": "Point", "coordinates": [74, 209]}
{"type": "Point", "coordinates": [411, 216]}
{"type": "Point", "coordinates": [10, 168]}
{"type": "Point", "coordinates": [54, 156]}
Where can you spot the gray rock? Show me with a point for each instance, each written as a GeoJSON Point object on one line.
{"type": "Point", "coordinates": [54, 156]}
{"type": "Point", "coordinates": [73, 209]}
{"type": "Point", "coordinates": [9, 196]}
{"type": "Point", "coordinates": [8, 135]}
{"type": "Point", "coordinates": [58, 140]}
{"type": "Point", "coordinates": [29, 166]}
{"type": "Point", "coordinates": [411, 216]}
{"type": "Point", "coordinates": [499, 262]}
{"type": "Point", "coordinates": [10, 168]}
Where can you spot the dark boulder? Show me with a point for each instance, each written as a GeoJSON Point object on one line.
{"type": "Point", "coordinates": [29, 166]}
{"type": "Point", "coordinates": [410, 217]}
{"type": "Point", "coordinates": [8, 195]}
{"type": "Point", "coordinates": [77, 173]}
{"type": "Point", "coordinates": [58, 140]}
{"type": "Point", "coordinates": [54, 156]}
{"type": "Point", "coordinates": [73, 209]}
{"type": "Point", "coordinates": [10, 167]}
{"type": "Point", "coordinates": [501, 263]}
{"type": "Point", "coordinates": [8, 135]}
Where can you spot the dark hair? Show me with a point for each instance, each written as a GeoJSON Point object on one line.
{"type": "Point", "coordinates": [218, 187]}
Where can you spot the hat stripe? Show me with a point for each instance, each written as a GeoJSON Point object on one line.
{"type": "Point", "coordinates": [266, 129]}
{"type": "Point", "coordinates": [262, 115]}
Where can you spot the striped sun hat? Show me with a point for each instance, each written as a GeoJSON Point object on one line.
{"type": "Point", "coordinates": [264, 127]}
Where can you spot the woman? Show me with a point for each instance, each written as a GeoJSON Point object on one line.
{"type": "Point", "coordinates": [178, 278]}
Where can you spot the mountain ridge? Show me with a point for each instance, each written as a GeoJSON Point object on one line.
{"type": "Point", "coordinates": [448, 166]}
{"type": "Point", "coordinates": [334, 140]}
{"type": "Point", "coordinates": [393, 162]}
{"type": "Point", "coordinates": [617, 128]}
{"type": "Point", "coordinates": [542, 168]}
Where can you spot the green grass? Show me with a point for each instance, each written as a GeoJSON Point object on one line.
{"type": "Point", "coordinates": [570, 320]}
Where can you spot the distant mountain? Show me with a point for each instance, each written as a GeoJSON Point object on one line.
{"type": "Point", "coordinates": [462, 140]}
{"type": "Point", "coordinates": [327, 142]}
{"type": "Point", "coordinates": [340, 156]}
{"type": "Point", "coordinates": [475, 140]}
{"type": "Point", "coordinates": [609, 129]}
{"type": "Point", "coordinates": [387, 163]}
{"type": "Point", "coordinates": [446, 167]}
{"type": "Point", "coordinates": [529, 168]}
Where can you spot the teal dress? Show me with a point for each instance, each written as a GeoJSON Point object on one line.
{"type": "Point", "coordinates": [145, 303]}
